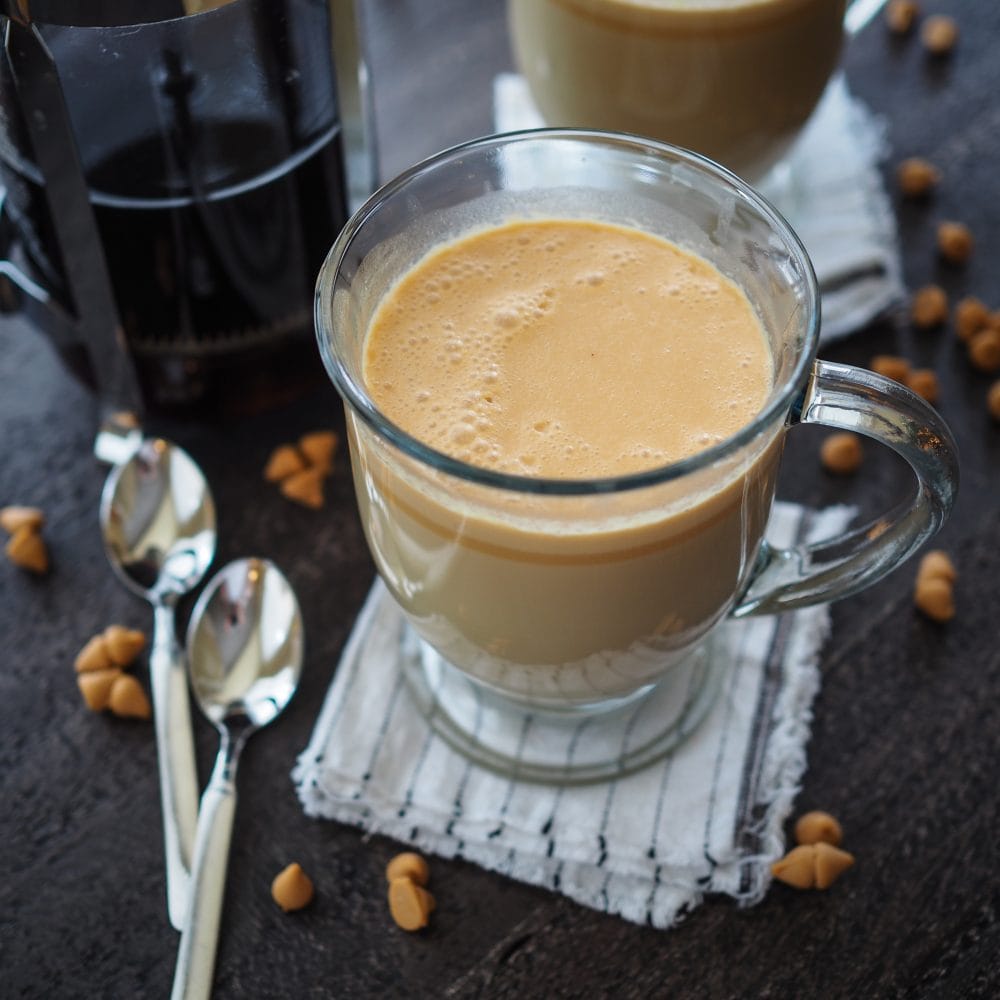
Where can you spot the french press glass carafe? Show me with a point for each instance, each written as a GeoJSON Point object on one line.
{"type": "Point", "coordinates": [174, 173]}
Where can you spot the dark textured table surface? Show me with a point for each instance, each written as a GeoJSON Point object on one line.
{"type": "Point", "coordinates": [905, 744]}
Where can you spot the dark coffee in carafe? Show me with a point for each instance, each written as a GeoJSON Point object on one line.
{"type": "Point", "coordinates": [211, 146]}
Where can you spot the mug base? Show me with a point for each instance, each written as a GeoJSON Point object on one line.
{"type": "Point", "coordinates": [572, 746]}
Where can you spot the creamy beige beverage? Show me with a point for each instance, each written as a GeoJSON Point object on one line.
{"type": "Point", "coordinates": [732, 79]}
{"type": "Point", "coordinates": [565, 349]}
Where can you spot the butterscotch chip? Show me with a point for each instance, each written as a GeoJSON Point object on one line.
{"type": "Point", "coordinates": [14, 518]}
{"type": "Point", "coordinates": [95, 686]}
{"type": "Point", "coordinates": [812, 866]}
{"type": "Point", "coordinates": [126, 419]}
{"type": "Point", "coordinates": [93, 656]}
{"type": "Point", "coordinates": [937, 565]}
{"type": "Point", "coordinates": [128, 699]}
{"type": "Point", "coordinates": [935, 599]}
{"type": "Point", "coordinates": [984, 350]}
{"type": "Point", "coordinates": [285, 461]}
{"type": "Point", "coordinates": [409, 865]}
{"type": "Point", "coordinates": [319, 448]}
{"type": "Point", "coordinates": [993, 400]}
{"type": "Point", "coordinates": [939, 34]}
{"type": "Point", "coordinates": [891, 366]}
{"type": "Point", "coordinates": [955, 242]}
{"type": "Point", "coordinates": [26, 549]}
{"type": "Point", "coordinates": [929, 307]}
{"type": "Point", "coordinates": [917, 177]}
{"type": "Point", "coordinates": [924, 383]}
{"type": "Point", "coordinates": [797, 868]}
{"type": "Point", "coordinates": [123, 644]}
{"type": "Point", "coordinates": [409, 904]}
{"type": "Point", "coordinates": [292, 889]}
{"type": "Point", "coordinates": [841, 453]}
{"type": "Point", "coordinates": [305, 487]}
{"type": "Point", "coordinates": [816, 826]}
{"type": "Point", "coordinates": [900, 15]}
{"type": "Point", "coordinates": [971, 316]}
{"type": "Point", "coordinates": [831, 862]}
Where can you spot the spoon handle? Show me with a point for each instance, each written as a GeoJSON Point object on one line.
{"type": "Point", "coordinates": [196, 953]}
{"type": "Point", "coordinates": [175, 755]}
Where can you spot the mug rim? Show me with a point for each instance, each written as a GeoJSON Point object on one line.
{"type": "Point", "coordinates": [361, 403]}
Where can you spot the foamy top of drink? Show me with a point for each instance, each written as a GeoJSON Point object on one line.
{"type": "Point", "coordinates": [565, 348]}
{"type": "Point", "coordinates": [682, 5]}
{"type": "Point", "coordinates": [693, 14]}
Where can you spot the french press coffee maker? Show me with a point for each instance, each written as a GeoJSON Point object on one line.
{"type": "Point", "coordinates": [172, 174]}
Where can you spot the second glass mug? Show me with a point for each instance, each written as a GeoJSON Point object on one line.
{"type": "Point", "coordinates": [562, 597]}
{"type": "Point", "coordinates": [733, 79]}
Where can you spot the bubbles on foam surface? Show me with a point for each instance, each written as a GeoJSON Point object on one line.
{"type": "Point", "coordinates": [507, 319]}
{"type": "Point", "coordinates": [514, 310]}
{"type": "Point", "coordinates": [462, 434]}
{"type": "Point", "coordinates": [504, 302]}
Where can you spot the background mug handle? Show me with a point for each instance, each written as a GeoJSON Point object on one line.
{"type": "Point", "coordinates": [854, 399]}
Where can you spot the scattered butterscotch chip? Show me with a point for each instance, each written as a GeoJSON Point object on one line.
{"type": "Point", "coordinates": [917, 177]}
{"type": "Point", "coordinates": [813, 827]}
{"type": "Point", "coordinates": [409, 904]}
{"type": "Point", "coordinates": [937, 565]}
{"type": "Point", "coordinates": [128, 699]}
{"type": "Point", "coordinates": [891, 366]}
{"type": "Point", "coordinates": [292, 889]}
{"type": "Point", "coordinates": [797, 868]}
{"type": "Point", "coordinates": [95, 686]}
{"type": "Point", "coordinates": [924, 383]}
{"type": "Point", "coordinates": [939, 34]}
{"type": "Point", "coordinates": [831, 863]}
{"type": "Point", "coordinates": [841, 453]}
{"type": "Point", "coordinates": [319, 448]}
{"type": "Point", "coordinates": [12, 519]}
{"type": "Point", "coordinates": [26, 549]}
{"type": "Point", "coordinates": [935, 598]}
{"type": "Point", "coordinates": [955, 242]}
{"type": "Point", "coordinates": [409, 865]}
{"type": "Point", "coordinates": [123, 644]}
{"type": "Point", "coordinates": [993, 400]}
{"type": "Point", "coordinates": [305, 487]}
{"type": "Point", "coordinates": [984, 350]}
{"type": "Point", "coordinates": [812, 866]}
{"type": "Point", "coordinates": [93, 656]}
{"type": "Point", "coordinates": [900, 15]}
{"type": "Point", "coordinates": [971, 316]}
{"type": "Point", "coordinates": [126, 419]}
{"type": "Point", "coordinates": [929, 306]}
{"type": "Point", "coordinates": [285, 461]}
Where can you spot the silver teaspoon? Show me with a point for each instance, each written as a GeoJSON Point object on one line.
{"type": "Point", "coordinates": [158, 520]}
{"type": "Point", "coordinates": [244, 647]}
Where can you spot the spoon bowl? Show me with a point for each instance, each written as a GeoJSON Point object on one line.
{"type": "Point", "coordinates": [158, 521]}
{"type": "Point", "coordinates": [245, 645]}
{"type": "Point", "coordinates": [159, 527]}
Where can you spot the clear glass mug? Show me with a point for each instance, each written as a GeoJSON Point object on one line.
{"type": "Point", "coordinates": [558, 597]}
{"type": "Point", "coordinates": [733, 80]}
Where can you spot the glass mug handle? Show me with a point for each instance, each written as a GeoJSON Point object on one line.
{"type": "Point", "coordinates": [854, 399]}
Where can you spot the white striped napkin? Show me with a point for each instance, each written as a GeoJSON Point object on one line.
{"type": "Point", "coordinates": [832, 195]}
{"type": "Point", "coordinates": [706, 819]}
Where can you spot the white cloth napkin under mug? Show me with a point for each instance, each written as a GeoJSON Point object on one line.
{"type": "Point", "coordinates": [832, 195]}
{"type": "Point", "coordinates": [706, 819]}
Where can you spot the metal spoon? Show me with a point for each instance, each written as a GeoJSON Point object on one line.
{"type": "Point", "coordinates": [158, 520]}
{"type": "Point", "coordinates": [244, 647]}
